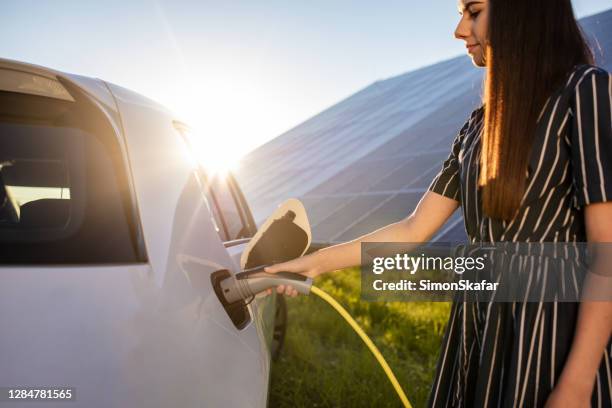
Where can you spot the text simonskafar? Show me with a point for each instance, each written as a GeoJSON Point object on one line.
{"type": "Point", "coordinates": [431, 286]}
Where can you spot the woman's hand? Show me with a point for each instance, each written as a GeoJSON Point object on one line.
{"type": "Point", "coordinates": [307, 265]}
{"type": "Point", "coordinates": [564, 396]}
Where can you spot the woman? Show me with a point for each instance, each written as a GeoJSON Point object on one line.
{"type": "Point", "coordinates": [533, 163]}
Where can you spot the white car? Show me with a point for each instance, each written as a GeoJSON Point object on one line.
{"type": "Point", "coordinates": [109, 240]}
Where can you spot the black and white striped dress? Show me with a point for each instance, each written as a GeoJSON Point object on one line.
{"type": "Point", "coordinates": [511, 354]}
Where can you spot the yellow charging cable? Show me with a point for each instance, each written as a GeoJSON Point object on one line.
{"type": "Point", "coordinates": [366, 340]}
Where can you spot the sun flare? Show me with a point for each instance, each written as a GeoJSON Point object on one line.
{"type": "Point", "coordinates": [229, 114]}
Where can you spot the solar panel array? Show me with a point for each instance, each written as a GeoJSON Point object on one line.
{"type": "Point", "coordinates": [366, 161]}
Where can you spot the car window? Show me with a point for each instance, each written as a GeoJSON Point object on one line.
{"type": "Point", "coordinates": [235, 224]}
{"type": "Point", "coordinates": [31, 185]}
{"type": "Point", "coordinates": [62, 200]}
{"type": "Point", "coordinates": [216, 215]}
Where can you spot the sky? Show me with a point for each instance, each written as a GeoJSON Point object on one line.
{"type": "Point", "coordinates": [239, 72]}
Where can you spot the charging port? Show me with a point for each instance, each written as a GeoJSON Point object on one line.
{"type": "Point", "coordinates": [237, 311]}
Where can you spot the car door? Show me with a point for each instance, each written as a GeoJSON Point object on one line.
{"type": "Point", "coordinates": [213, 359]}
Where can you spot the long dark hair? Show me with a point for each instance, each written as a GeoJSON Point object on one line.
{"type": "Point", "coordinates": [532, 47]}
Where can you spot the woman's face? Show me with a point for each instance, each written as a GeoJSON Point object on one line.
{"type": "Point", "coordinates": [472, 28]}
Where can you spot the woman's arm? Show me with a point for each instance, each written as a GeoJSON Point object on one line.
{"type": "Point", "coordinates": [430, 214]}
{"type": "Point", "coordinates": [594, 324]}
{"type": "Point", "coordinates": [439, 202]}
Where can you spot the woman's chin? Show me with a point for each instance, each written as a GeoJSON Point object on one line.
{"type": "Point", "coordinates": [477, 61]}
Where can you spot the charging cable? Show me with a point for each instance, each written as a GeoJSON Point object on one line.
{"type": "Point", "coordinates": [379, 357]}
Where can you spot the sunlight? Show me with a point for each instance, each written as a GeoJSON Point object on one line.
{"type": "Point", "coordinates": [216, 155]}
{"type": "Point", "coordinates": [212, 156]}
{"type": "Point", "coordinates": [210, 144]}
{"type": "Point", "coordinates": [210, 133]}
{"type": "Point", "coordinates": [229, 113]}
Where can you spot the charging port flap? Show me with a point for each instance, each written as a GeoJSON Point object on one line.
{"type": "Point", "coordinates": [284, 236]}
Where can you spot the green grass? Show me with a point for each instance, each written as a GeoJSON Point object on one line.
{"type": "Point", "coordinates": [325, 364]}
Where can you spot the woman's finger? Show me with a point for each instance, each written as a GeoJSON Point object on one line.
{"type": "Point", "coordinates": [295, 265]}
{"type": "Point", "coordinates": [270, 269]}
{"type": "Point", "coordinates": [276, 267]}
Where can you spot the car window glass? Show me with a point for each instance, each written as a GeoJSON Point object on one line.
{"type": "Point", "coordinates": [60, 198]}
{"type": "Point", "coordinates": [229, 209]}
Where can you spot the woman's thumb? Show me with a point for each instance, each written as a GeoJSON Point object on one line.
{"type": "Point", "coordinates": [273, 268]}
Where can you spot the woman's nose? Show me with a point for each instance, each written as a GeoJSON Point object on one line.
{"type": "Point", "coordinates": [463, 30]}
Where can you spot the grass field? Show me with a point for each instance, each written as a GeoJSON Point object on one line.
{"type": "Point", "coordinates": [325, 364]}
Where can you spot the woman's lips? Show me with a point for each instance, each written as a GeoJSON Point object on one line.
{"type": "Point", "coordinates": [471, 47]}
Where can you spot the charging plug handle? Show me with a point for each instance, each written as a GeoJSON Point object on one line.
{"type": "Point", "coordinates": [250, 282]}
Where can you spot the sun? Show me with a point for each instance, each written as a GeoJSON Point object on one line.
{"type": "Point", "coordinates": [213, 155]}
{"type": "Point", "coordinates": [230, 113]}
{"type": "Point", "coordinates": [219, 119]}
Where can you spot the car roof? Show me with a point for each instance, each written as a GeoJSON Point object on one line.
{"type": "Point", "coordinates": [95, 87]}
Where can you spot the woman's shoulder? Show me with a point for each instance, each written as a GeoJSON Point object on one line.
{"type": "Point", "coordinates": [588, 85]}
{"type": "Point", "coordinates": [581, 74]}
{"type": "Point", "coordinates": [589, 68]}
{"type": "Point", "coordinates": [475, 116]}
{"type": "Point", "coordinates": [472, 124]}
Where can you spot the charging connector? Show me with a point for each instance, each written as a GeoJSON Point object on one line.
{"type": "Point", "coordinates": [250, 282]}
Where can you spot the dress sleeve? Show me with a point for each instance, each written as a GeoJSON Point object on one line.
{"type": "Point", "coordinates": [591, 138]}
{"type": "Point", "coordinates": [447, 181]}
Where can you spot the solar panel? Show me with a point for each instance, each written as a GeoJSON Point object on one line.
{"type": "Point", "coordinates": [346, 213]}
{"type": "Point", "coordinates": [392, 208]}
{"type": "Point", "coordinates": [409, 171]}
